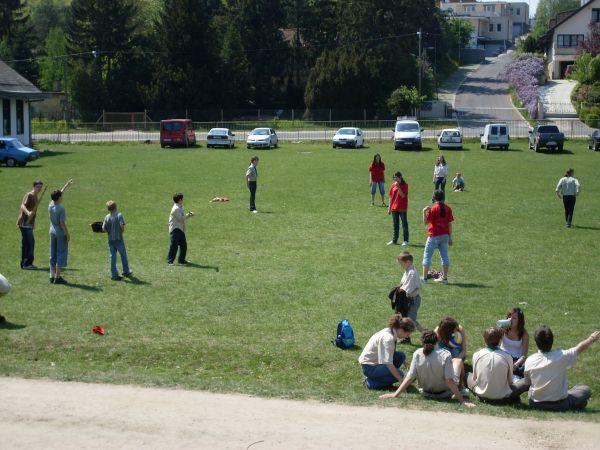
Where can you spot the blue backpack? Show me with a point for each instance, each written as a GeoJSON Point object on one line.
{"type": "Point", "coordinates": [345, 335]}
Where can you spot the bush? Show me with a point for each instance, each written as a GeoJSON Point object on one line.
{"type": "Point", "coordinates": [524, 74]}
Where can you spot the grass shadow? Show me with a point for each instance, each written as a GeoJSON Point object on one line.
{"type": "Point", "coordinates": [135, 280]}
{"type": "Point", "coordinates": [200, 266]}
{"type": "Point", "coordinates": [50, 153]}
{"type": "Point", "coordinates": [470, 285]}
{"type": "Point", "coordinates": [555, 152]}
{"type": "Point", "coordinates": [6, 325]}
{"type": "Point", "coordinates": [501, 150]}
{"type": "Point", "coordinates": [83, 287]}
{"type": "Point", "coordinates": [586, 228]}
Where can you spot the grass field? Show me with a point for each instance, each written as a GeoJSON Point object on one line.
{"type": "Point", "coordinates": [257, 310]}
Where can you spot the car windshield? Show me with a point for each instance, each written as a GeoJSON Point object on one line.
{"type": "Point", "coordinates": [548, 129]}
{"type": "Point", "coordinates": [407, 127]}
{"type": "Point", "coordinates": [260, 132]}
{"type": "Point", "coordinates": [16, 144]}
{"type": "Point", "coordinates": [346, 131]}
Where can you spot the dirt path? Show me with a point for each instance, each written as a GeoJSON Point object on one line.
{"type": "Point", "coordinates": [54, 415]}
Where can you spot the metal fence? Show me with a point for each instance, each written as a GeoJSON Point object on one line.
{"type": "Point", "coordinates": [375, 130]}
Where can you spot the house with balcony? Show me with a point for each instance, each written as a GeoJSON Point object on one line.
{"type": "Point", "coordinates": [499, 22]}
{"type": "Point", "coordinates": [566, 32]}
{"type": "Point", "coordinates": [16, 95]}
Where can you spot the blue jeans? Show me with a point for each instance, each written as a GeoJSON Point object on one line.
{"type": "Point", "coordinates": [439, 242]}
{"type": "Point", "coordinates": [396, 217]}
{"type": "Point", "coordinates": [374, 185]}
{"type": "Point", "coordinates": [413, 309]}
{"type": "Point", "coordinates": [177, 241]}
{"type": "Point", "coordinates": [252, 187]}
{"type": "Point", "coordinates": [113, 248]}
{"type": "Point", "coordinates": [569, 204]}
{"type": "Point", "coordinates": [59, 250]}
{"type": "Point", "coordinates": [379, 376]}
{"type": "Point", "coordinates": [27, 246]}
{"type": "Point", "coordinates": [439, 183]}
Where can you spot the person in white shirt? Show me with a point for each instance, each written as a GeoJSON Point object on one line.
{"type": "Point", "coordinates": [379, 360]}
{"type": "Point", "coordinates": [569, 187]}
{"type": "Point", "coordinates": [440, 173]}
{"type": "Point", "coordinates": [4, 289]}
{"type": "Point", "coordinates": [411, 284]}
{"type": "Point", "coordinates": [177, 220]}
{"type": "Point", "coordinates": [546, 372]}
{"type": "Point", "coordinates": [492, 377]}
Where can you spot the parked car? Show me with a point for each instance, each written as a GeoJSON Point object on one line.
{"type": "Point", "coordinates": [407, 134]}
{"type": "Point", "coordinates": [450, 138]}
{"type": "Point", "coordinates": [594, 141]}
{"type": "Point", "coordinates": [495, 135]}
{"type": "Point", "coordinates": [548, 136]}
{"type": "Point", "coordinates": [177, 132]}
{"type": "Point", "coordinates": [262, 138]}
{"type": "Point", "coordinates": [348, 137]}
{"type": "Point", "coordinates": [220, 137]}
{"type": "Point", "coordinates": [14, 153]}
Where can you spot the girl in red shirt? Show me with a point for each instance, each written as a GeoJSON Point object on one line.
{"type": "Point", "coordinates": [377, 168]}
{"type": "Point", "coordinates": [439, 222]}
{"type": "Point", "coordinates": [398, 207]}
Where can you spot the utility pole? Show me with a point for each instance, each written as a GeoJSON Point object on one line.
{"type": "Point", "coordinates": [419, 33]}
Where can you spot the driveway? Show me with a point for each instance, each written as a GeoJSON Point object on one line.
{"type": "Point", "coordinates": [555, 95]}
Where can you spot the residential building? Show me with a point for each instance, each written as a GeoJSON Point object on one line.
{"type": "Point", "coordinates": [566, 32]}
{"type": "Point", "coordinates": [16, 95]}
{"type": "Point", "coordinates": [494, 22]}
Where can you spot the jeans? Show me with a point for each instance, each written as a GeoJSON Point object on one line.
{"type": "Point", "coordinates": [433, 242]}
{"type": "Point", "coordinates": [113, 248]}
{"type": "Point", "coordinates": [577, 398]}
{"type": "Point", "coordinates": [413, 309]}
{"type": "Point", "coordinates": [569, 203]}
{"type": "Point", "coordinates": [59, 250]}
{"type": "Point", "coordinates": [396, 217]}
{"type": "Point", "coordinates": [439, 183]}
{"type": "Point", "coordinates": [27, 246]}
{"type": "Point", "coordinates": [252, 187]}
{"type": "Point", "coordinates": [177, 241]}
{"type": "Point", "coordinates": [374, 185]}
{"type": "Point", "coordinates": [379, 376]}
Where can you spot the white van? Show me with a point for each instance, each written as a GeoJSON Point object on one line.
{"type": "Point", "coordinates": [495, 135]}
{"type": "Point", "coordinates": [407, 134]}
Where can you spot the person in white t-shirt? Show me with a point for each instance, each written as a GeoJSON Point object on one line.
{"type": "Point", "coordinates": [546, 372]}
{"type": "Point", "coordinates": [4, 288]}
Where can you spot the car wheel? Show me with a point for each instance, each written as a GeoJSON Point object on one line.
{"type": "Point", "coordinates": [10, 162]}
{"type": "Point", "coordinates": [460, 148]}
{"type": "Point", "coordinates": [560, 148]}
{"type": "Point", "coordinates": [162, 144]}
{"type": "Point", "coordinates": [596, 147]}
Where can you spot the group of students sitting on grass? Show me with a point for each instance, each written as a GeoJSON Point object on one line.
{"type": "Point", "coordinates": [501, 370]}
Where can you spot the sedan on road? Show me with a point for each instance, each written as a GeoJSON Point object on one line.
{"type": "Point", "coordinates": [262, 138]}
{"type": "Point", "coordinates": [348, 137]}
{"type": "Point", "coordinates": [450, 138]}
{"type": "Point", "coordinates": [220, 137]}
{"type": "Point", "coordinates": [14, 153]}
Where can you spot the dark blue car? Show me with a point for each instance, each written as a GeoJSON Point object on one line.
{"type": "Point", "coordinates": [14, 153]}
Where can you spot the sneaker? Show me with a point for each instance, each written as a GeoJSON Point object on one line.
{"type": "Point", "coordinates": [60, 280]}
{"type": "Point", "coordinates": [2, 318]}
{"type": "Point", "coordinates": [424, 280]}
{"type": "Point", "coordinates": [441, 280]}
{"type": "Point", "coordinates": [170, 263]}
{"type": "Point", "coordinates": [392, 243]}
{"type": "Point", "coordinates": [404, 244]}
{"type": "Point", "coordinates": [30, 267]}
{"type": "Point", "coordinates": [117, 278]}
{"type": "Point", "coordinates": [128, 274]}
{"type": "Point", "coordinates": [51, 279]}
{"type": "Point", "coordinates": [183, 263]}
{"type": "Point", "coordinates": [465, 392]}
{"type": "Point", "coordinates": [383, 204]}
{"type": "Point", "coordinates": [255, 211]}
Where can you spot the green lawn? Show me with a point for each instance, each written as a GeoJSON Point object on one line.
{"type": "Point", "coordinates": [258, 309]}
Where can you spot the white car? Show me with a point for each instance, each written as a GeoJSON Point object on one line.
{"type": "Point", "coordinates": [495, 135]}
{"type": "Point", "coordinates": [450, 138]}
{"type": "Point", "coordinates": [407, 134]}
{"type": "Point", "coordinates": [348, 137]}
{"type": "Point", "coordinates": [262, 138]}
{"type": "Point", "coordinates": [220, 137]}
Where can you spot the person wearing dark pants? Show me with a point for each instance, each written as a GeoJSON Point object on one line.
{"type": "Point", "coordinates": [546, 373]}
{"type": "Point", "coordinates": [397, 208]}
{"type": "Point", "coordinates": [568, 186]}
{"type": "Point", "coordinates": [26, 223]}
{"type": "Point", "coordinates": [177, 221]}
{"type": "Point", "coordinates": [251, 178]}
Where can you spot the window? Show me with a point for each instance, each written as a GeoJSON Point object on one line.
{"type": "Point", "coordinates": [489, 8]}
{"type": "Point", "coordinates": [469, 8]}
{"type": "Point", "coordinates": [595, 15]}
{"type": "Point", "coordinates": [518, 11]}
{"type": "Point", "coordinates": [6, 129]}
{"type": "Point", "coordinates": [498, 27]}
{"type": "Point", "coordinates": [20, 118]}
{"type": "Point", "coordinates": [491, 28]}
{"type": "Point", "coordinates": [569, 40]}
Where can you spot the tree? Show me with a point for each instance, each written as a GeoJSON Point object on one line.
{"type": "Point", "coordinates": [236, 83]}
{"type": "Point", "coordinates": [16, 41]}
{"type": "Point", "coordinates": [591, 42]}
{"type": "Point", "coordinates": [404, 99]}
{"type": "Point", "coordinates": [53, 66]}
{"type": "Point", "coordinates": [548, 10]}
{"type": "Point", "coordinates": [462, 31]}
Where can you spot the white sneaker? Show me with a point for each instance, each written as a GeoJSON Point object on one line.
{"type": "Point", "coordinates": [255, 211]}
{"type": "Point", "coordinates": [441, 280]}
{"type": "Point", "coordinates": [405, 243]}
{"type": "Point", "coordinates": [392, 243]}
{"type": "Point", "coordinates": [465, 392]}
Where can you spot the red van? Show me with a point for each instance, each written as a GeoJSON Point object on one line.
{"type": "Point", "coordinates": [177, 132]}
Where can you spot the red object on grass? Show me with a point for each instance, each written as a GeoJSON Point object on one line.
{"type": "Point", "coordinates": [98, 329]}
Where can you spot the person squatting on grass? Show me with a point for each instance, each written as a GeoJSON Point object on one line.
{"type": "Point", "coordinates": [411, 284]}
{"type": "Point", "coordinates": [546, 372]}
{"type": "Point", "coordinates": [515, 341]}
{"type": "Point", "coordinates": [114, 225]}
{"type": "Point", "coordinates": [569, 187]}
{"type": "Point", "coordinates": [458, 183]}
{"type": "Point", "coordinates": [492, 377]}
{"type": "Point", "coordinates": [4, 288]}
{"type": "Point", "coordinates": [440, 174]}
{"type": "Point", "coordinates": [452, 337]}
{"type": "Point", "coordinates": [439, 220]}
{"type": "Point", "coordinates": [398, 208]}
{"type": "Point", "coordinates": [379, 360]}
{"type": "Point", "coordinates": [431, 366]}
{"type": "Point", "coordinates": [377, 179]}
{"type": "Point", "coordinates": [26, 223]}
{"type": "Point", "coordinates": [177, 220]}
{"type": "Point", "coordinates": [251, 180]}
{"type": "Point", "coordinates": [59, 236]}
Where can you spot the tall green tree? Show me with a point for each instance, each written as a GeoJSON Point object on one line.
{"type": "Point", "coordinates": [547, 10]}
{"type": "Point", "coordinates": [53, 67]}
{"type": "Point", "coordinates": [16, 38]}
{"type": "Point", "coordinates": [236, 85]}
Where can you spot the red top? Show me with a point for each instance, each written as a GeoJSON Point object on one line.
{"type": "Point", "coordinates": [397, 202]}
{"type": "Point", "coordinates": [377, 172]}
{"type": "Point", "coordinates": [438, 225]}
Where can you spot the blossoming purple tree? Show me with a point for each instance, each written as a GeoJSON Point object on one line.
{"type": "Point", "coordinates": [524, 74]}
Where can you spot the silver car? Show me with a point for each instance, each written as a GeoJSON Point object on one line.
{"type": "Point", "coordinates": [220, 137]}
{"type": "Point", "coordinates": [262, 138]}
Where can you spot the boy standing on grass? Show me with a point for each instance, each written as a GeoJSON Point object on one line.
{"type": "Point", "coordinates": [26, 223]}
{"type": "Point", "coordinates": [251, 177]}
{"type": "Point", "coordinates": [177, 220]}
{"type": "Point", "coordinates": [411, 284]}
{"type": "Point", "coordinates": [114, 225]}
